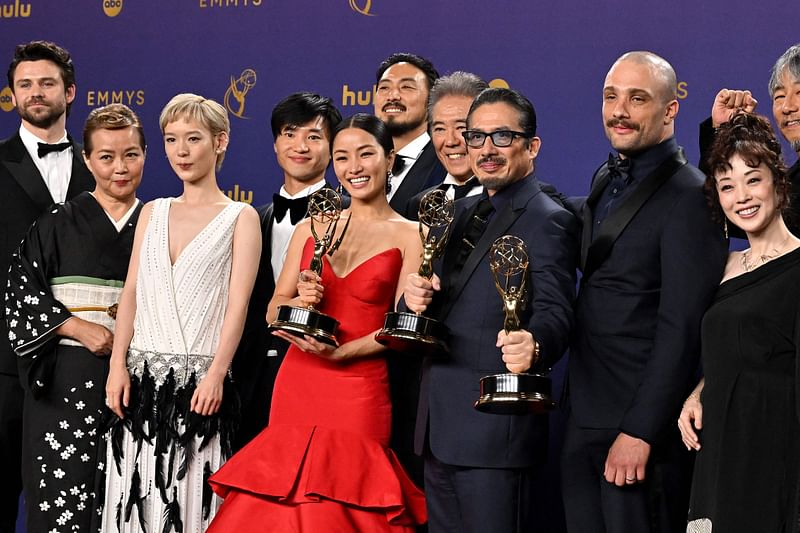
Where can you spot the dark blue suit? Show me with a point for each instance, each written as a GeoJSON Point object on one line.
{"type": "Point", "coordinates": [449, 430]}
{"type": "Point", "coordinates": [635, 354]}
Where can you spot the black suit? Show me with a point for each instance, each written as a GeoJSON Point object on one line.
{"type": "Point", "coordinates": [449, 430]}
{"type": "Point", "coordinates": [23, 197]}
{"type": "Point", "coordinates": [426, 172]}
{"type": "Point", "coordinates": [635, 353]}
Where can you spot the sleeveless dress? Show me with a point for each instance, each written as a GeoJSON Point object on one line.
{"type": "Point", "coordinates": [323, 463]}
{"type": "Point", "coordinates": [159, 457]}
{"type": "Point", "coordinates": [746, 473]}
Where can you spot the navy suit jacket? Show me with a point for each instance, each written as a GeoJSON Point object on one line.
{"type": "Point", "coordinates": [470, 306]}
{"type": "Point", "coordinates": [636, 346]}
{"type": "Point", "coordinates": [23, 198]}
{"type": "Point", "coordinates": [427, 171]}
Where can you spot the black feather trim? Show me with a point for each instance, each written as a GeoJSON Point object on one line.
{"type": "Point", "coordinates": [172, 514]}
{"type": "Point", "coordinates": [207, 493]}
{"type": "Point", "coordinates": [118, 516]}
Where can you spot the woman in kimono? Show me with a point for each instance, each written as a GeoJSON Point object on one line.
{"type": "Point", "coordinates": [64, 285]}
{"type": "Point", "coordinates": [181, 314]}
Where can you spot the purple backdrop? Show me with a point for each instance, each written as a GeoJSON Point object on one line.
{"type": "Point", "coordinates": [556, 52]}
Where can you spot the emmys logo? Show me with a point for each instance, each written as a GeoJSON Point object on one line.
{"type": "Point", "coordinates": [6, 103]}
{"type": "Point", "coordinates": [15, 10]}
{"type": "Point", "coordinates": [362, 10]}
{"type": "Point", "coordinates": [229, 3]}
{"type": "Point", "coordinates": [112, 8]}
{"type": "Point", "coordinates": [240, 196]}
{"type": "Point", "coordinates": [683, 90]}
{"type": "Point", "coordinates": [238, 89]}
{"type": "Point", "coordinates": [499, 83]}
{"type": "Point", "coordinates": [129, 98]}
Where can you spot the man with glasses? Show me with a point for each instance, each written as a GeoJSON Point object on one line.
{"type": "Point", "coordinates": [651, 259]}
{"type": "Point", "coordinates": [479, 466]}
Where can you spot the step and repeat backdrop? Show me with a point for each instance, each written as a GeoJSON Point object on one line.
{"type": "Point", "coordinates": [248, 54]}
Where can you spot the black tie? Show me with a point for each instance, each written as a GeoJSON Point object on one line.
{"type": "Point", "coordinates": [399, 164]}
{"type": "Point", "coordinates": [475, 228]}
{"type": "Point", "coordinates": [45, 148]}
{"type": "Point", "coordinates": [618, 166]}
{"type": "Point", "coordinates": [297, 208]}
{"type": "Point", "coordinates": [460, 191]}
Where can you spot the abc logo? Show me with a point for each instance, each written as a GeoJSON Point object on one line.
{"type": "Point", "coordinates": [112, 7]}
{"type": "Point", "coordinates": [5, 99]}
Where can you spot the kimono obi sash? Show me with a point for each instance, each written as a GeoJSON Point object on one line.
{"type": "Point", "coordinates": [91, 299]}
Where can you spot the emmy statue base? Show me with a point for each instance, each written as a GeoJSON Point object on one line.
{"type": "Point", "coordinates": [413, 334]}
{"type": "Point", "coordinates": [305, 321]}
{"type": "Point", "coordinates": [515, 394]}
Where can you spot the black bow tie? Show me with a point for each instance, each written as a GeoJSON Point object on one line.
{"type": "Point", "coordinates": [399, 164]}
{"type": "Point", "coordinates": [297, 208]}
{"type": "Point", "coordinates": [617, 165]}
{"type": "Point", "coordinates": [45, 148]}
{"type": "Point", "coordinates": [461, 191]}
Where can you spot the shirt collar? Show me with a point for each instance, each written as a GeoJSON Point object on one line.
{"type": "Point", "coordinates": [308, 191]}
{"type": "Point", "coordinates": [31, 141]}
{"type": "Point", "coordinates": [644, 163]}
{"type": "Point", "coordinates": [504, 196]}
{"type": "Point", "coordinates": [415, 147]}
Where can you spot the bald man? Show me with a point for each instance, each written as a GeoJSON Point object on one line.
{"type": "Point", "coordinates": [651, 259]}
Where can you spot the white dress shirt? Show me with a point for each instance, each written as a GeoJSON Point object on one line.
{"type": "Point", "coordinates": [282, 231]}
{"type": "Point", "coordinates": [55, 167]}
{"type": "Point", "coordinates": [410, 153]}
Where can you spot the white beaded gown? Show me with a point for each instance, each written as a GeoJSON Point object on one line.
{"type": "Point", "coordinates": [159, 457]}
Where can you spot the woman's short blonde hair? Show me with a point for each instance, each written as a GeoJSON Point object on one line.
{"type": "Point", "coordinates": [212, 115]}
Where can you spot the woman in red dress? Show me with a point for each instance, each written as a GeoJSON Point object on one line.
{"type": "Point", "coordinates": [324, 464]}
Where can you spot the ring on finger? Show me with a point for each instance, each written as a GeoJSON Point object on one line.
{"type": "Point", "coordinates": [630, 480]}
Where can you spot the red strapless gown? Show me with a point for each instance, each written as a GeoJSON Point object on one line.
{"type": "Point", "coordinates": [323, 464]}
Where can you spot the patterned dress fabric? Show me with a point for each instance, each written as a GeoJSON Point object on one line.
{"type": "Point", "coordinates": [323, 463]}
{"type": "Point", "coordinates": [160, 456]}
{"type": "Point", "coordinates": [50, 280]}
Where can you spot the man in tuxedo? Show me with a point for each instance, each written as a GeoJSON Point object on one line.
{"type": "Point", "coordinates": [448, 105]}
{"type": "Point", "coordinates": [302, 124]}
{"type": "Point", "coordinates": [403, 84]}
{"type": "Point", "coordinates": [479, 466]}
{"type": "Point", "coordinates": [784, 90]}
{"type": "Point", "coordinates": [39, 165]}
{"type": "Point", "coordinates": [651, 259]}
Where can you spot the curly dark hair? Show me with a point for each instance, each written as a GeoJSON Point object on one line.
{"type": "Point", "coordinates": [752, 138]}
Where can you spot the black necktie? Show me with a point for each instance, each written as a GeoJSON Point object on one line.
{"type": "Point", "coordinates": [477, 224]}
{"type": "Point", "coordinates": [45, 148]}
{"type": "Point", "coordinates": [461, 191]}
{"type": "Point", "coordinates": [297, 208]}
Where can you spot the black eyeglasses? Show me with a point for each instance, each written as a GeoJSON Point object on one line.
{"type": "Point", "coordinates": [500, 138]}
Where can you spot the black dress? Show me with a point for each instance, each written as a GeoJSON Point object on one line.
{"type": "Point", "coordinates": [746, 474]}
{"type": "Point", "coordinates": [71, 251]}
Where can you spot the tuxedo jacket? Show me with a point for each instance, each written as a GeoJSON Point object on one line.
{"type": "Point", "coordinates": [471, 307]}
{"type": "Point", "coordinates": [636, 343]}
{"type": "Point", "coordinates": [427, 171]}
{"type": "Point", "coordinates": [23, 198]}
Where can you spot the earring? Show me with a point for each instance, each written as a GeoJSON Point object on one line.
{"type": "Point", "coordinates": [725, 227]}
{"type": "Point", "coordinates": [389, 177]}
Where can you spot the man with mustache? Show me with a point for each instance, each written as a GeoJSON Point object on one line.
{"type": "Point", "coordinates": [479, 467]}
{"type": "Point", "coordinates": [784, 90]}
{"type": "Point", "coordinates": [651, 259]}
{"type": "Point", "coordinates": [39, 165]}
{"type": "Point", "coordinates": [404, 82]}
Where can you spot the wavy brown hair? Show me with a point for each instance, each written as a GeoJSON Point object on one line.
{"type": "Point", "coordinates": [752, 138]}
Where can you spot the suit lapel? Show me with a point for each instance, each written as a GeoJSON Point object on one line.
{"type": "Point", "coordinates": [22, 168]}
{"type": "Point", "coordinates": [599, 183]}
{"type": "Point", "coordinates": [497, 227]}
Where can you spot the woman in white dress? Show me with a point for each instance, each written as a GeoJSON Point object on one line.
{"type": "Point", "coordinates": [180, 318]}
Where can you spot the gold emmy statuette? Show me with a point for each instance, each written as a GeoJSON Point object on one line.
{"type": "Point", "coordinates": [324, 207]}
{"type": "Point", "coordinates": [412, 332]}
{"type": "Point", "coordinates": [512, 394]}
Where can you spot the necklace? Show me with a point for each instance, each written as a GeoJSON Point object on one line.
{"type": "Point", "coordinates": [763, 258]}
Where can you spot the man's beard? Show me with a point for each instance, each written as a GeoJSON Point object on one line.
{"type": "Point", "coordinates": [398, 129]}
{"type": "Point", "coordinates": [42, 120]}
